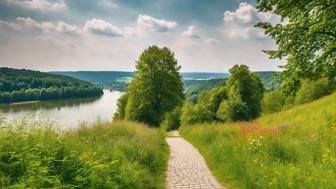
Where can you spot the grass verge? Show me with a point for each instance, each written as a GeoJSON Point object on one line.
{"type": "Point", "coordinates": [104, 155]}
{"type": "Point", "coordinates": [290, 149]}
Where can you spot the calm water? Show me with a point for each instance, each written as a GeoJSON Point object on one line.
{"type": "Point", "coordinates": [68, 113]}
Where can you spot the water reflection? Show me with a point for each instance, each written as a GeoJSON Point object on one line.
{"type": "Point", "coordinates": [68, 113]}
{"type": "Point", "coordinates": [45, 105]}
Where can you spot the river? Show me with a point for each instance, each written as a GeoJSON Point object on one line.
{"type": "Point", "coordinates": [66, 113]}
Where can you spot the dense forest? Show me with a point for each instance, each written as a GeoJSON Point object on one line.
{"type": "Point", "coordinates": [26, 85]}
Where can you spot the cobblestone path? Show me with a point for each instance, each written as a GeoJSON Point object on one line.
{"type": "Point", "coordinates": [187, 168]}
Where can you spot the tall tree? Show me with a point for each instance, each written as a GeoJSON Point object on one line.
{"type": "Point", "coordinates": [246, 88]}
{"type": "Point", "coordinates": [307, 38]}
{"type": "Point", "coordinates": [157, 87]}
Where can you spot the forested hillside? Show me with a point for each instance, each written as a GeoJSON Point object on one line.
{"type": "Point", "coordinates": [114, 80]}
{"type": "Point", "coordinates": [192, 91]}
{"type": "Point", "coordinates": [26, 85]}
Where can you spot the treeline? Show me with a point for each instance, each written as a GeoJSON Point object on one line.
{"type": "Point", "coordinates": [193, 91]}
{"type": "Point", "coordinates": [155, 95]}
{"type": "Point", "coordinates": [26, 85]}
{"type": "Point", "coordinates": [239, 100]}
{"type": "Point", "coordinates": [49, 93]}
{"type": "Point", "coordinates": [308, 90]}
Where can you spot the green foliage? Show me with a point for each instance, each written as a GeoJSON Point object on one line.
{"type": "Point", "coordinates": [121, 107]}
{"type": "Point", "coordinates": [273, 101]}
{"type": "Point", "coordinates": [270, 82]}
{"type": "Point", "coordinates": [194, 91]}
{"type": "Point", "coordinates": [172, 120]}
{"type": "Point", "coordinates": [233, 109]}
{"type": "Point", "coordinates": [157, 87]}
{"type": "Point", "coordinates": [289, 149]}
{"type": "Point", "coordinates": [312, 90]}
{"type": "Point", "coordinates": [239, 100]}
{"type": "Point", "coordinates": [117, 155]}
{"type": "Point", "coordinates": [198, 113]}
{"type": "Point", "coordinates": [217, 95]}
{"type": "Point", "coordinates": [306, 38]}
{"type": "Point", "coordinates": [26, 85]}
{"type": "Point", "coordinates": [244, 89]}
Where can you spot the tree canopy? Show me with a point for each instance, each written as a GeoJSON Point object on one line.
{"type": "Point", "coordinates": [238, 100]}
{"type": "Point", "coordinates": [306, 37]}
{"type": "Point", "coordinates": [156, 89]}
{"type": "Point", "coordinates": [248, 87]}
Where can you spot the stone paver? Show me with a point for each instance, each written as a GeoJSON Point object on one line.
{"type": "Point", "coordinates": [187, 168]}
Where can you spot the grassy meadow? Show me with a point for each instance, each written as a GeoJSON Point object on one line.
{"type": "Point", "coordinates": [295, 148]}
{"type": "Point", "coordinates": [105, 155]}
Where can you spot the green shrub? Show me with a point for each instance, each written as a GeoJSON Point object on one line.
{"type": "Point", "coordinates": [172, 120]}
{"type": "Point", "coordinates": [233, 109]}
{"type": "Point", "coordinates": [117, 155]}
{"type": "Point", "coordinates": [273, 102]}
{"type": "Point", "coordinates": [121, 107]}
{"type": "Point", "coordinates": [217, 95]}
{"type": "Point", "coordinates": [198, 113]}
{"type": "Point", "coordinates": [312, 90]}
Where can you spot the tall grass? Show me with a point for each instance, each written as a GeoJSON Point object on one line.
{"type": "Point", "coordinates": [105, 155]}
{"type": "Point", "coordinates": [290, 149]}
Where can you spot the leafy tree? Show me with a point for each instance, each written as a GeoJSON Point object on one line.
{"type": "Point", "coordinates": [157, 87]}
{"type": "Point", "coordinates": [273, 101]}
{"type": "Point", "coordinates": [217, 95]}
{"type": "Point", "coordinates": [245, 89]}
{"type": "Point", "coordinates": [307, 38]}
{"type": "Point", "coordinates": [121, 106]}
{"type": "Point", "coordinates": [233, 109]}
{"type": "Point", "coordinates": [192, 114]}
{"type": "Point", "coordinates": [172, 119]}
{"type": "Point", "coordinates": [312, 90]}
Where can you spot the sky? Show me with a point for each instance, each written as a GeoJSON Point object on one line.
{"type": "Point", "coordinates": [104, 35]}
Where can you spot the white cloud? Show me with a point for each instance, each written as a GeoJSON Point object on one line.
{"type": "Point", "coordinates": [9, 25]}
{"type": "Point", "coordinates": [47, 27]}
{"type": "Point", "coordinates": [240, 23]}
{"type": "Point", "coordinates": [211, 41]}
{"type": "Point", "coordinates": [28, 23]}
{"type": "Point", "coordinates": [43, 5]}
{"type": "Point", "coordinates": [59, 27]}
{"type": "Point", "coordinates": [101, 27]}
{"type": "Point", "coordinates": [146, 22]}
{"type": "Point", "coordinates": [245, 13]}
{"type": "Point", "coordinates": [191, 33]}
{"type": "Point", "coordinates": [95, 26]}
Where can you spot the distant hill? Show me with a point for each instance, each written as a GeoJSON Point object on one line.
{"type": "Point", "coordinates": [26, 85]}
{"type": "Point", "coordinates": [114, 80]}
{"type": "Point", "coordinates": [118, 80]}
{"type": "Point", "coordinates": [193, 91]}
